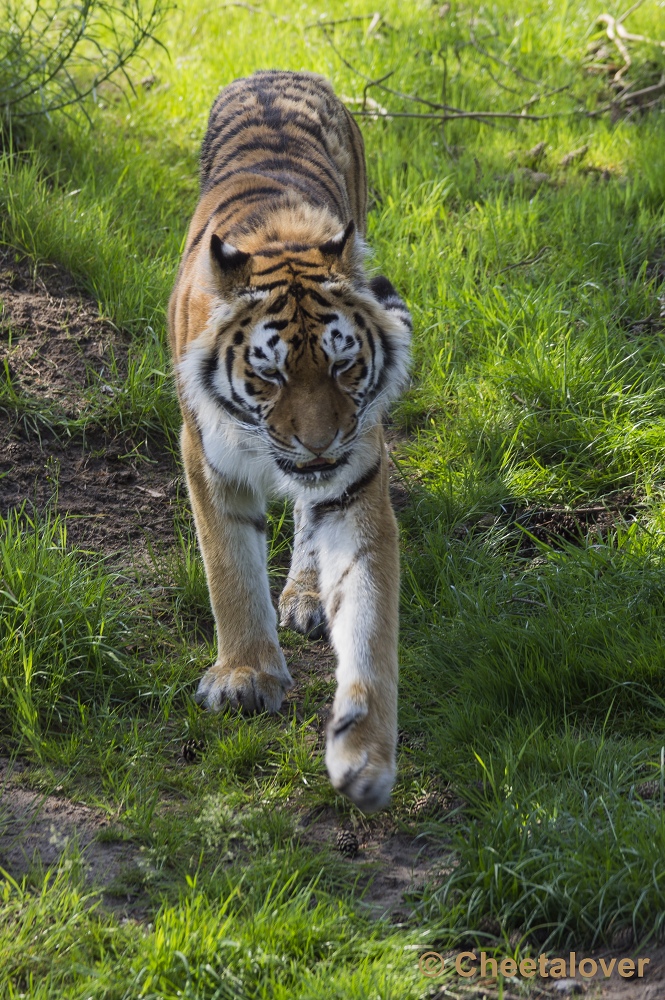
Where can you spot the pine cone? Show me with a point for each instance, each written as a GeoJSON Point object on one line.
{"type": "Point", "coordinates": [489, 925]}
{"type": "Point", "coordinates": [516, 937]}
{"type": "Point", "coordinates": [649, 789]}
{"type": "Point", "coordinates": [623, 938]}
{"type": "Point", "coordinates": [426, 805]}
{"type": "Point", "coordinates": [347, 843]}
{"type": "Point", "coordinates": [192, 750]}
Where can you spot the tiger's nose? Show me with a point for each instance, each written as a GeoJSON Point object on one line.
{"type": "Point", "coordinates": [317, 445]}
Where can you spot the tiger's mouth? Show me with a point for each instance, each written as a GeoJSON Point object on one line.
{"type": "Point", "coordinates": [316, 463]}
{"type": "Point", "coordinates": [317, 468]}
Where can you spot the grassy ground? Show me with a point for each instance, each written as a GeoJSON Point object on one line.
{"type": "Point", "coordinates": [532, 448]}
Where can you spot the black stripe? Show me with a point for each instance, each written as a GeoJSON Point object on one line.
{"type": "Point", "coordinates": [357, 150]}
{"type": "Point", "coordinates": [240, 404]}
{"type": "Point", "coordinates": [372, 348]}
{"type": "Point", "coordinates": [268, 286]}
{"type": "Point", "coordinates": [348, 497]}
{"type": "Point", "coordinates": [233, 410]}
{"type": "Point", "coordinates": [258, 523]}
{"type": "Point", "coordinates": [256, 194]}
{"type": "Point", "coordinates": [291, 262]}
{"type": "Point", "coordinates": [344, 724]}
{"type": "Point", "coordinates": [278, 166]}
{"type": "Point", "coordinates": [277, 306]}
{"type": "Point", "coordinates": [197, 239]}
{"type": "Point", "coordinates": [230, 129]}
{"type": "Point", "coordinates": [319, 299]}
{"type": "Point", "coordinates": [289, 183]}
{"type": "Point", "coordinates": [271, 270]}
{"type": "Point", "coordinates": [388, 360]}
{"type": "Point", "coordinates": [279, 142]}
{"type": "Point", "coordinates": [312, 128]}
{"type": "Point", "coordinates": [246, 194]}
{"type": "Point", "coordinates": [320, 279]}
{"type": "Point", "coordinates": [209, 370]}
{"type": "Point", "coordinates": [288, 247]}
{"type": "Point", "coordinates": [252, 146]}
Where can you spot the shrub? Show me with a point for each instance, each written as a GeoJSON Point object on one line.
{"type": "Point", "coordinates": [54, 53]}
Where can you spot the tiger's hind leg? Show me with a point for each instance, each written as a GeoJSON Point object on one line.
{"type": "Point", "coordinates": [300, 607]}
{"type": "Point", "coordinates": [250, 671]}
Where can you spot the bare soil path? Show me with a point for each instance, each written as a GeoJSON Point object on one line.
{"type": "Point", "coordinates": [57, 351]}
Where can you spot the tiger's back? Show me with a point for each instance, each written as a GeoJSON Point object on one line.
{"type": "Point", "coordinates": [277, 133]}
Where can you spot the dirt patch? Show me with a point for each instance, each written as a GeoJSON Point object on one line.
{"type": "Point", "coordinates": [39, 830]}
{"type": "Point", "coordinates": [53, 343]}
{"type": "Point", "coordinates": [312, 663]}
{"type": "Point", "coordinates": [558, 525]}
{"type": "Point", "coordinates": [56, 349]}
{"type": "Point", "coordinates": [392, 865]}
{"type": "Point", "coordinates": [114, 500]}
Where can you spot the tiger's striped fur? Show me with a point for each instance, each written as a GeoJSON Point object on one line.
{"type": "Point", "coordinates": [286, 357]}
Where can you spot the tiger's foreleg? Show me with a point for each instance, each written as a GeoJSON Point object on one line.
{"type": "Point", "coordinates": [250, 671]}
{"type": "Point", "coordinates": [300, 606]}
{"type": "Point", "coordinates": [359, 581]}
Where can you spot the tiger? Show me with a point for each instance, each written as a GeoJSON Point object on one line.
{"type": "Point", "coordinates": [286, 357]}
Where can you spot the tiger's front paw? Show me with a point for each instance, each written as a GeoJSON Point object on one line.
{"type": "Point", "coordinates": [360, 750]}
{"type": "Point", "coordinates": [247, 688]}
{"type": "Point", "coordinates": [300, 609]}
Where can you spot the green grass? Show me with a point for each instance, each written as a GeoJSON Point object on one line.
{"type": "Point", "coordinates": [533, 685]}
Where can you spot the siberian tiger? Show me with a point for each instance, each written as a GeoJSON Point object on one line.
{"type": "Point", "coordinates": [286, 357]}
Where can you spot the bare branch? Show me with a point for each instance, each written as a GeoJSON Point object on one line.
{"type": "Point", "coordinates": [535, 259]}
{"type": "Point", "coordinates": [341, 20]}
{"type": "Point", "coordinates": [631, 95]}
{"type": "Point", "coordinates": [47, 50]}
{"type": "Point", "coordinates": [482, 116]}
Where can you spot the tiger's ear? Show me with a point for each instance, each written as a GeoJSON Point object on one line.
{"type": "Point", "coordinates": [392, 304]}
{"type": "Point", "coordinates": [340, 252]}
{"type": "Point", "coordinates": [382, 289]}
{"type": "Point", "coordinates": [231, 267]}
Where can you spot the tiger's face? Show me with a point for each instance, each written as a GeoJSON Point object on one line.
{"type": "Point", "coordinates": [304, 353]}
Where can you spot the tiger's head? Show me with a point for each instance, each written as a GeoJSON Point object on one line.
{"type": "Point", "coordinates": [300, 347]}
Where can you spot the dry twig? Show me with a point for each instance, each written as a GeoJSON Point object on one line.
{"type": "Point", "coordinates": [618, 35]}
{"type": "Point", "coordinates": [535, 259]}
